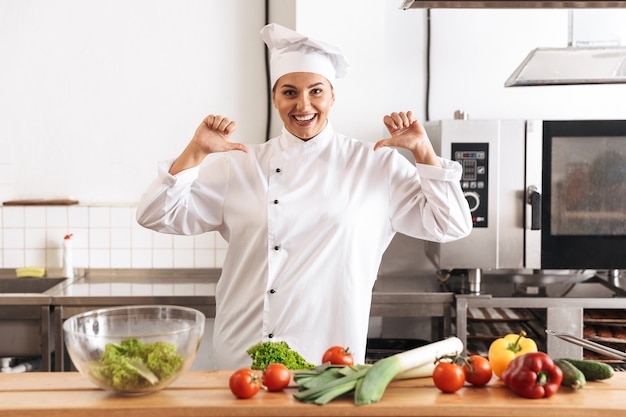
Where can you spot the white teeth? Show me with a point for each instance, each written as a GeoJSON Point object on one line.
{"type": "Point", "coordinates": [305, 118]}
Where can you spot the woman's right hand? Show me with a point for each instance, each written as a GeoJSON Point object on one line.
{"type": "Point", "coordinates": [213, 133]}
{"type": "Point", "coordinates": [210, 137]}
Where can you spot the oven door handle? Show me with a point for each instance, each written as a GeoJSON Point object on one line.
{"type": "Point", "coordinates": [534, 199]}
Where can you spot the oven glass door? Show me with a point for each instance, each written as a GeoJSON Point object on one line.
{"type": "Point", "coordinates": [584, 195]}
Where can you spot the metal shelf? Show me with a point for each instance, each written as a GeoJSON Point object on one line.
{"type": "Point", "coordinates": [562, 314]}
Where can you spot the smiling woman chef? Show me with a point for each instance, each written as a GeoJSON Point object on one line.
{"type": "Point", "coordinates": [308, 214]}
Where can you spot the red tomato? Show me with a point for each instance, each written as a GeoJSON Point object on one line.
{"type": "Point", "coordinates": [477, 370]}
{"type": "Point", "coordinates": [276, 377]}
{"type": "Point", "coordinates": [338, 355]}
{"type": "Point", "coordinates": [448, 377]}
{"type": "Point", "coordinates": [244, 383]}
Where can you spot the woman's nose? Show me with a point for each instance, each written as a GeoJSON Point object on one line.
{"type": "Point", "coordinates": [303, 102]}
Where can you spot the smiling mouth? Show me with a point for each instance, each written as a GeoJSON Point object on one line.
{"type": "Point", "coordinates": [305, 120]}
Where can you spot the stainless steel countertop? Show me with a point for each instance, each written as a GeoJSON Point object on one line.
{"type": "Point", "coordinates": [97, 287]}
{"type": "Point", "coordinates": [392, 296]}
{"type": "Point", "coordinates": [140, 286]}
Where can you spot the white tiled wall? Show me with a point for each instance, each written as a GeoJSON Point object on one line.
{"type": "Point", "coordinates": [103, 237]}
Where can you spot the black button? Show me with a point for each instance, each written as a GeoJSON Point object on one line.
{"type": "Point", "coordinates": [272, 291]}
{"type": "Point", "coordinates": [271, 335]}
{"type": "Point", "coordinates": [277, 247]}
{"type": "Point", "coordinates": [277, 169]}
{"type": "Point", "coordinates": [275, 201]}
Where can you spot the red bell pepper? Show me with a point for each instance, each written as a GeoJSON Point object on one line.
{"type": "Point", "coordinates": [533, 375]}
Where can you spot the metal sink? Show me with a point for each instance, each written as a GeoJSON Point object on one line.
{"type": "Point", "coordinates": [26, 315]}
{"type": "Point", "coordinates": [28, 285]}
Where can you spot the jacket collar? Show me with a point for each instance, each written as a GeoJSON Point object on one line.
{"type": "Point", "coordinates": [321, 140]}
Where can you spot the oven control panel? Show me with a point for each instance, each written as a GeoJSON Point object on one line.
{"type": "Point", "coordinates": [474, 158]}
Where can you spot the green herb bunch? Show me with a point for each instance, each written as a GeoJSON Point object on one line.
{"type": "Point", "coordinates": [264, 353]}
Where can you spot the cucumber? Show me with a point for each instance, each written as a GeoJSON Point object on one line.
{"type": "Point", "coordinates": [572, 376]}
{"type": "Point", "coordinates": [593, 370]}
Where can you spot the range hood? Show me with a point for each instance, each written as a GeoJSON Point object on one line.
{"type": "Point", "coordinates": [571, 65]}
{"type": "Point", "coordinates": [592, 63]}
{"type": "Point", "coordinates": [593, 55]}
{"type": "Point", "coordinates": [513, 4]}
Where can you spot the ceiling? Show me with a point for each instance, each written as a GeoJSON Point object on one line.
{"type": "Point", "coordinates": [511, 4]}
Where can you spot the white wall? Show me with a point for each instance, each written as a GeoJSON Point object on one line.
{"type": "Point", "coordinates": [95, 92]}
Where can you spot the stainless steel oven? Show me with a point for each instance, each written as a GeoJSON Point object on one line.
{"type": "Point", "coordinates": [544, 194]}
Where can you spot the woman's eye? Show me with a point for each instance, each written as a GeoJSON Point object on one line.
{"type": "Point", "coordinates": [316, 91]}
{"type": "Point", "coordinates": [289, 93]}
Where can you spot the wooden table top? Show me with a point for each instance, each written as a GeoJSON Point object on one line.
{"type": "Point", "coordinates": [206, 393]}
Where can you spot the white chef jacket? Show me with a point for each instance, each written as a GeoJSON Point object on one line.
{"type": "Point", "coordinates": [307, 224]}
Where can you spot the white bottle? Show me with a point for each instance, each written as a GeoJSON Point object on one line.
{"type": "Point", "coordinates": [68, 267]}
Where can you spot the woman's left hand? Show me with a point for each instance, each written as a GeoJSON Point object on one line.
{"type": "Point", "coordinates": [408, 133]}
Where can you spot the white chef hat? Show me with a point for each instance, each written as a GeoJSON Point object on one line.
{"type": "Point", "coordinates": [291, 51]}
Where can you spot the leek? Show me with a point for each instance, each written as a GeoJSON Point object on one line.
{"type": "Point", "coordinates": [384, 371]}
{"type": "Point", "coordinates": [423, 371]}
{"type": "Point", "coordinates": [327, 382]}
{"type": "Point", "coordinates": [336, 382]}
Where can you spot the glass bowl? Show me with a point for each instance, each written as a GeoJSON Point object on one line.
{"type": "Point", "coordinates": [134, 349]}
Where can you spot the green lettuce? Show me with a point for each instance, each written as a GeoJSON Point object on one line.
{"type": "Point", "coordinates": [135, 366]}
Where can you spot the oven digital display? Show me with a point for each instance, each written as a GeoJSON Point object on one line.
{"type": "Point", "coordinates": [473, 158]}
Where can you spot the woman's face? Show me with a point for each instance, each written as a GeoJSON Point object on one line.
{"type": "Point", "coordinates": [303, 100]}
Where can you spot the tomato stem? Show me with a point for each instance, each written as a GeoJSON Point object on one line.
{"type": "Point", "coordinates": [451, 358]}
{"type": "Point", "coordinates": [470, 364]}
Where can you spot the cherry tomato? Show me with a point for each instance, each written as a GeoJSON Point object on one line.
{"type": "Point", "coordinates": [276, 377]}
{"type": "Point", "coordinates": [338, 355]}
{"type": "Point", "coordinates": [477, 370]}
{"type": "Point", "coordinates": [448, 377]}
{"type": "Point", "coordinates": [244, 383]}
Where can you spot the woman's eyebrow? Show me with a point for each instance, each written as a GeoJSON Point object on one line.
{"type": "Point", "coordinates": [294, 87]}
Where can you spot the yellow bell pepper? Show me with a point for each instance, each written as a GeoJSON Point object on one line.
{"type": "Point", "coordinates": [502, 351]}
